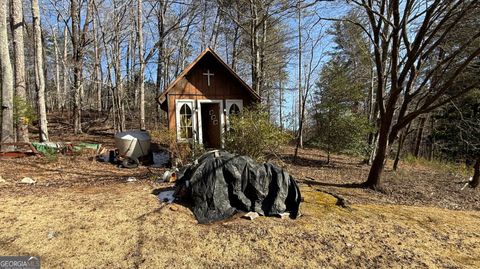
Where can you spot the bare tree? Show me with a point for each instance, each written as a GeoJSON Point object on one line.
{"type": "Point", "coordinates": [257, 19]}
{"type": "Point", "coordinates": [97, 75]}
{"type": "Point", "coordinates": [39, 73]}
{"type": "Point", "coordinates": [171, 16]}
{"type": "Point", "coordinates": [77, 66]}
{"type": "Point", "coordinates": [8, 135]}
{"type": "Point", "coordinates": [18, 26]}
{"type": "Point", "coordinates": [141, 74]}
{"type": "Point", "coordinates": [118, 15]}
{"type": "Point", "coordinates": [57, 68]}
{"type": "Point", "coordinates": [160, 46]}
{"type": "Point", "coordinates": [65, 69]}
{"type": "Point", "coordinates": [300, 89]}
{"type": "Point", "coordinates": [405, 38]}
{"type": "Point", "coordinates": [310, 44]}
{"type": "Point", "coordinates": [79, 41]}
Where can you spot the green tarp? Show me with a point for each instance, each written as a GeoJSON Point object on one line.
{"type": "Point", "coordinates": [50, 148]}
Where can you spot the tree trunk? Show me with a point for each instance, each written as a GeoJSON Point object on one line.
{"type": "Point", "coordinates": [401, 141]}
{"type": "Point", "coordinates": [96, 62]}
{"type": "Point", "coordinates": [373, 180]}
{"type": "Point", "coordinates": [203, 35]}
{"type": "Point", "coordinates": [372, 119]}
{"type": "Point", "coordinates": [431, 148]}
{"type": "Point", "coordinates": [79, 41]}
{"type": "Point", "coordinates": [374, 176]}
{"type": "Point", "coordinates": [215, 30]}
{"type": "Point", "coordinates": [117, 64]}
{"type": "Point", "coordinates": [8, 135]}
{"type": "Point", "coordinates": [476, 174]}
{"type": "Point", "coordinates": [63, 95]}
{"type": "Point", "coordinates": [254, 48]}
{"type": "Point", "coordinates": [373, 152]}
{"type": "Point", "coordinates": [418, 139]}
{"type": "Point", "coordinates": [142, 67]}
{"type": "Point", "coordinates": [39, 74]}
{"type": "Point", "coordinates": [236, 37]}
{"type": "Point", "coordinates": [18, 26]}
{"type": "Point", "coordinates": [280, 101]}
{"type": "Point", "coordinates": [300, 90]}
{"type": "Point", "coordinates": [263, 48]}
{"type": "Point", "coordinates": [57, 70]}
{"type": "Point", "coordinates": [294, 113]}
{"type": "Point", "coordinates": [161, 35]}
{"type": "Point", "coordinates": [129, 56]}
{"type": "Point", "coordinates": [77, 71]}
{"type": "Point", "coordinates": [158, 85]}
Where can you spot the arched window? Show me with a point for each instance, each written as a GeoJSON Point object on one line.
{"type": "Point", "coordinates": [186, 122]}
{"type": "Point", "coordinates": [234, 110]}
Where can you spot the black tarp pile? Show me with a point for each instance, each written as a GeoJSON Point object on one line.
{"type": "Point", "coordinates": [222, 184]}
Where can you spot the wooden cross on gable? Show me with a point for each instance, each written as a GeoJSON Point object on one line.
{"type": "Point", "coordinates": [208, 74]}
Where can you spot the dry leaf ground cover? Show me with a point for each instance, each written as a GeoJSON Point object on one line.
{"type": "Point", "coordinates": [83, 214]}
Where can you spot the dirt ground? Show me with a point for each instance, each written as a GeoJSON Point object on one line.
{"type": "Point", "coordinates": [83, 214]}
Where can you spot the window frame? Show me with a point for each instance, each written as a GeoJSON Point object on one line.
{"type": "Point", "coordinates": [178, 105]}
{"type": "Point", "coordinates": [228, 104]}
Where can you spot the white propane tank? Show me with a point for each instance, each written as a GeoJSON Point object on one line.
{"type": "Point", "coordinates": [133, 144]}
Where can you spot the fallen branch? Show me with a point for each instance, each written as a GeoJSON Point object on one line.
{"type": "Point", "coordinates": [341, 201]}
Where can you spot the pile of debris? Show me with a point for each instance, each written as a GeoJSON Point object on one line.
{"type": "Point", "coordinates": [17, 150]}
{"type": "Point", "coordinates": [221, 184]}
{"type": "Point", "coordinates": [132, 148]}
{"type": "Point", "coordinates": [24, 149]}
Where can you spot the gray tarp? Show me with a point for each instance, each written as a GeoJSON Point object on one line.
{"type": "Point", "coordinates": [222, 184]}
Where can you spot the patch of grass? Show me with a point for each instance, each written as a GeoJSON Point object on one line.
{"type": "Point", "coordinates": [82, 214]}
{"type": "Point", "coordinates": [51, 157]}
{"type": "Point", "coordinates": [124, 226]}
{"type": "Point", "coordinates": [439, 165]}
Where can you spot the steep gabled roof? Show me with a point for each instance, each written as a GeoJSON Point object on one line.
{"type": "Point", "coordinates": [162, 98]}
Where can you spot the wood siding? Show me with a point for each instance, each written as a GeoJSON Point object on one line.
{"type": "Point", "coordinates": [194, 86]}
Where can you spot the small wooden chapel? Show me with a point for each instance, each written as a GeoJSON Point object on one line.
{"type": "Point", "coordinates": [201, 99]}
